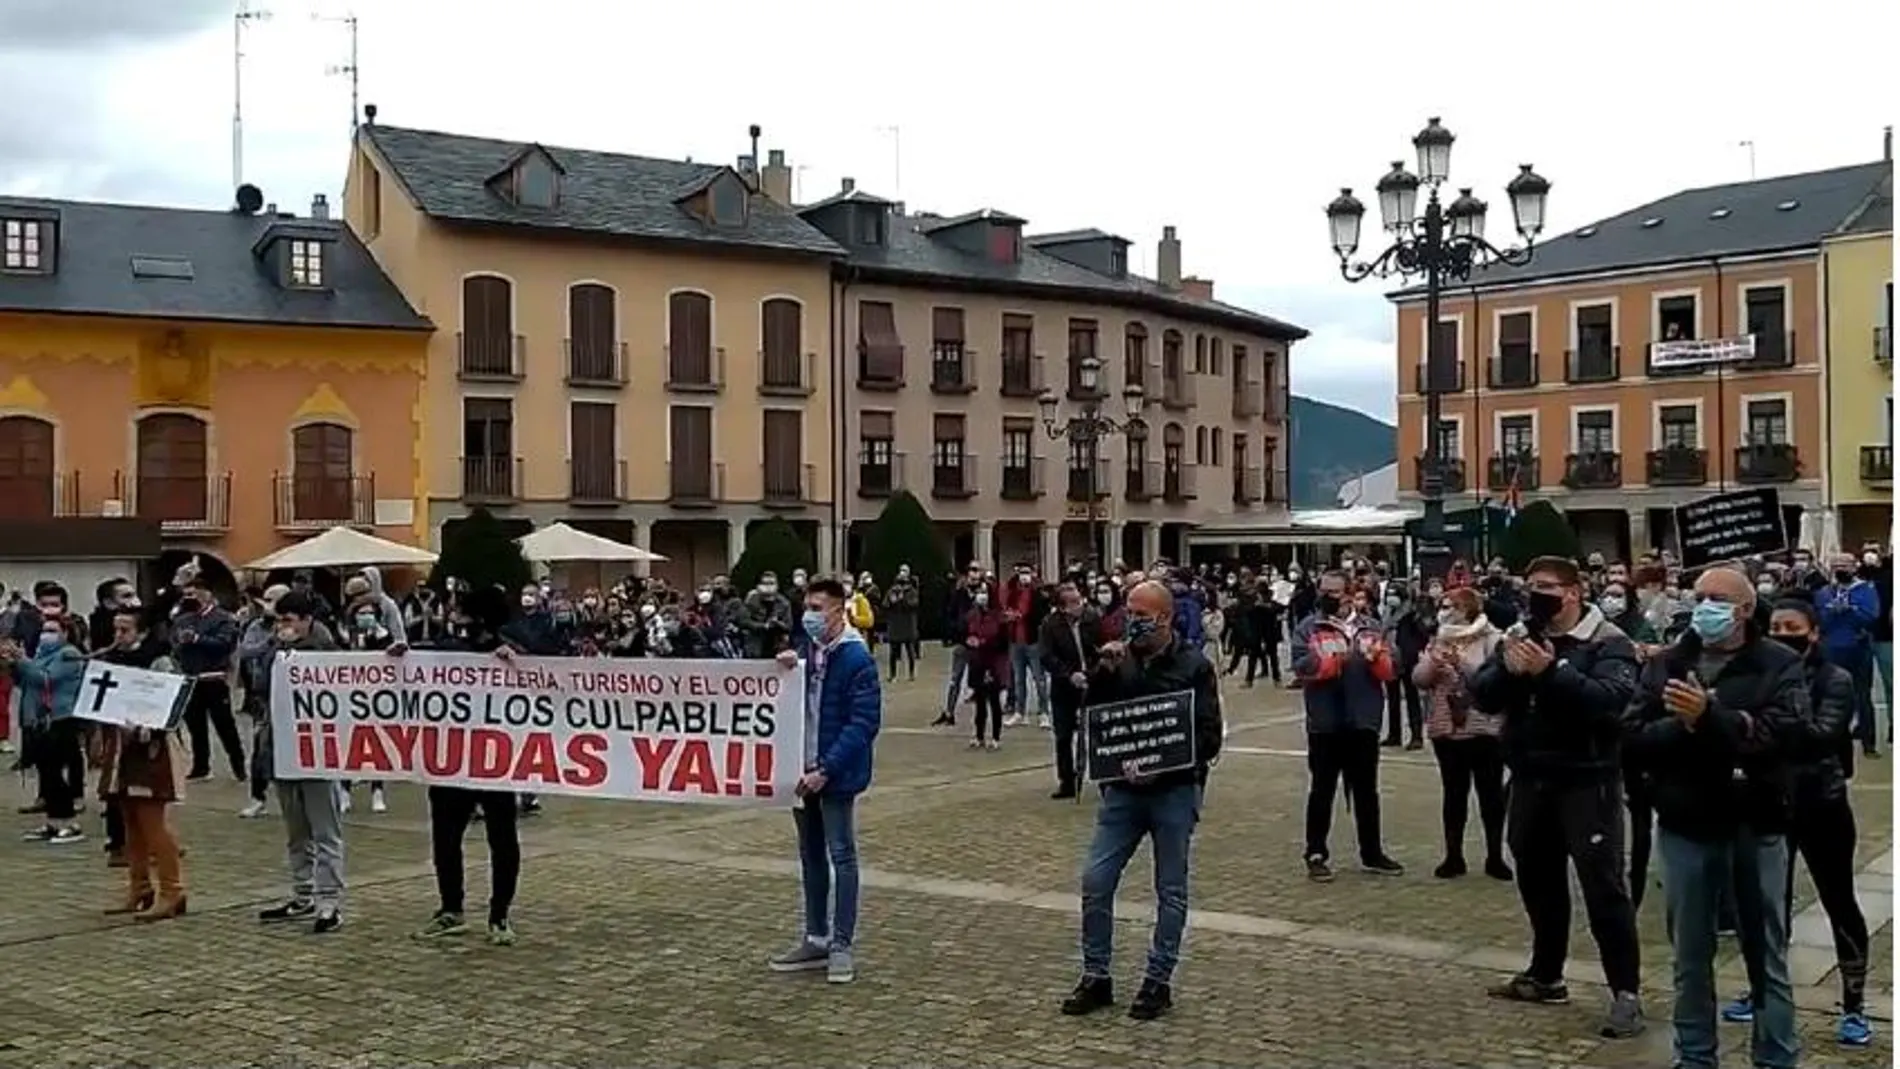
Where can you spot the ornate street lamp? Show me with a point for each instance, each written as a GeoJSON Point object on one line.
{"type": "Point", "coordinates": [1085, 429]}
{"type": "Point", "coordinates": [1445, 244]}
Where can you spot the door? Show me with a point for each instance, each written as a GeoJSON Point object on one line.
{"type": "Point", "coordinates": [784, 438]}
{"type": "Point", "coordinates": [594, 475]}
{"type": "Point", "coordinates": [488, 443]}
{"type": "Point", "coordinates": [781, 328]}
{"type": "Point", "coordinates": [592, 334]}
{"type": "Point", "coordinates": [689, 339]}
{"type": "Point", "coordinates": [691, 448]}
{"type": "Point", "coordinates": [26, 468]}
{"type": "Point", "coordinates": [321, 480]}
{"type": "Point", "coordinates": [173, 480]}
{"type": "Point", "coordinates": [488, 328]}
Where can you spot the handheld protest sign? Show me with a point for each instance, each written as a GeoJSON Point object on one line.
{"type": "Point", "coordinates": [1153, 735]}
{"type": "Point", "coordinates": [131, 697]}
{"type": "Point", "coordinates": [1728, 527]}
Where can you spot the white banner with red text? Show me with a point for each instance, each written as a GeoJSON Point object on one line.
{"type": "Point", "coordinates": [714, 732]}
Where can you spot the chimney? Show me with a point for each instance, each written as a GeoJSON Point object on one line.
{"type": "Point", "coordinates": [748, 168]}
{"type": "Point", "coordinates": [776, 180]}
{"type": "Point", "coordinates": [270, 210]}
{"type": "Point", "coordinates": [369, 115]}
{"type": "Point", "coordinates": [1201, 289]}
{"type": "Point", "coordinates": [850, 186]}
{"type": "Point", "coordinates": [1886, 143]}
{"type": "Point", "coordinates": [1168, 260]}
{"type": "Point", "coordinates": [320, 207]}
{"type": "Point", "coordinates": [897, 207]}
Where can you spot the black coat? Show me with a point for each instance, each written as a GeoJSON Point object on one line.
{"type": "Point", "coordinates": [1823, 776]}
{"type": "Point", "coordinates": [1564, 725]}
{"type": "Point", "coordinates": [1736, 767]}
{"type": "Point", "coordinates": [1177, 668]}
{"type": "Point", "coordinates": [1061, 658]}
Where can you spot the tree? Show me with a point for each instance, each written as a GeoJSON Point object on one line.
{"type": "Point", "coordinates": [479, 550]}
{"type": "Point", "coordinates": [1539, 531]}
{"type": "Point", "coordinates": [904, 534]}
{"type": "Point", "coordinates": [772, 546]}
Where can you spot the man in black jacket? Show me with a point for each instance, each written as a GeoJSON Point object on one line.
{"type": "Point", "coordinates": [1561, 678]}
{"type": "Point", "coordinates": [1162, 807]}
{"type": "Point", "coordinates": [204, 643]}
{"type": "Point", "coordinates": [1718, 721]}
{"type": "Point", "coordinates": [1067, 644]}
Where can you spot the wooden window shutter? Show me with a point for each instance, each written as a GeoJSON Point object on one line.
{"type": "Point", "coordinates": [946, 326]}
{"type": "Point", "coordinates": [877, 425]}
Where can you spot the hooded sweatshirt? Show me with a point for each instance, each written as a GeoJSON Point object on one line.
{"type": "Point", "coordinates": [317, 639]}
{"type": "Point", "coordinates": [392, 612]}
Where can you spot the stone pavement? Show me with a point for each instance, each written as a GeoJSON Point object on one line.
{"type": "Point", "coordinates": [644, 931]}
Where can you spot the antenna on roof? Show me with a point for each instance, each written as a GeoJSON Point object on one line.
{"type": "Point", "coordinates": [1750, 146]}
{"type": "Point", "coordinates": [245, 15]}
{"type": "Point", "coordinates": [897, 159]}
{"type": "Point", "coordinates": [349, 23]}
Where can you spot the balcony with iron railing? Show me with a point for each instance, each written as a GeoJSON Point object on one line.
{"type": "Point", "coordinates": [1452, 467]}
{"type": "Point", "coordinates": [1876, 465]}
{"type": "Point", "coordinates": [1086, 482]}
{"type": "Point", "coordinates": [1250, 485]}
{"type": "Point", "coordinates": [695, 372]}
{"type": "Point", "coordinates": [490, 357]}
{"type": "Point", "coordinates": [1022, 376]}
{"type": "Point", "coordinates": [1593, 363]}
{"type": "Point", "coordinates": [1512, 367]}
{"type": "Point", "coordinates": [596, 364]}
{"type": "Point", "coordinates": [39, 497]}
{"type": "Point", "coordinates": [303, 503]}
{"type": "Point", "coordinates": [953, 477]}
{"type": "Point", "coordinates": [952, 368]}
{"type": "Point", "coordinates": [1178, 392]}
{"type": "Point", "coordinates": [1767, 462]}
{"type": "Point", "coordinates": [788, 374]}
{"type": "Point", "coordinates": [596, 480]}
{"type": "Point", "coordinates": [1178, 482]}
{"type": "Point", "coordinates": [789, 485]}
{"type": "Point", "coordinates": [696, 484]}
{"type": "Point", "coordinates": [1451, 377]}
{"type": "Point", "coordinates": [881, 473]}
{"type": "Point", "coordinates": [1774, 351]}
{"type": "Point", "coordinates": [1599, 469]}
{"type": "Point", "coordinates": [1021, 478]}
{"type": "Point", "coordinates": [1519, 468]}
{"type": "Point", "coordinates": [1677, 465]}
{"type": "Point", "coordinates": [1138, 484]}
{"type": "Point", "coordinates": [1249, 399]}
{"type": "Point", "coordinates": [491, 479]}
{"type": "Point", "coordinates": [183, 505]}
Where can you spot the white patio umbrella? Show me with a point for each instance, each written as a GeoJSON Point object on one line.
{"type": "Point", "coordinates": [557, 543]}
{"type": "Point", "coordinates": [342, 547]}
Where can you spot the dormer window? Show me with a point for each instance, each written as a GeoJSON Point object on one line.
{"type": "Point", "coordinates": [537, 183]}
{"type": "Point", "coordinates": [726, 201]}
{"type": "Point", "coordinates": [306, 264]}
{"type": "Point", "coordinates": [26, 245]}
{"type": "Point", "coordinates": [1006, 244]}
{"type": "Point", "coordinates": [1118, 262]}
{"type": "Point", "coordinates": [869, 225]}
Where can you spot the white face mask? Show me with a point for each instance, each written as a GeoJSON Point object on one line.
{"type": "Point", "coordinates": [1106, 597]}
{"type": "Point", "coordinates": [1870, 559]}
{"type": "Point", "coordinates": [982, 600]}
{"type": "Point", "coordinates": [1449, 618]}
{"type": "Point", "coordinates": [529, 601]}
{"type": "Point", "coordinates": [646, 611]}
{"type": "Point", "coordinates": [705, 597]}
{"type": "Point", "coordinates": [1613, 606]}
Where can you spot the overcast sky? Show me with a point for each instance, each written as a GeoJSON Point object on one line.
{"type": "Point", "coordinates": [1234, 121]}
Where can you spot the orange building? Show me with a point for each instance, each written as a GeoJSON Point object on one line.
{"type": "Point", "coordinates": [180, 382]}
{"type": "Point", "coordinates": [1556, 388]}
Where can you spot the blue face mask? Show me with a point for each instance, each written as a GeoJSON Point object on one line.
{"type": "Point", "coordinates": [814, 622]}
{"type": "Point", "coordinates": [1140, 628]}
{"type": "Point", "coordinates": [52, 642]}
{"type": "Point", "coordinates": [1713, 621]}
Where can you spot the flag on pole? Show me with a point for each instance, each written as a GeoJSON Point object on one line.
{"type": "Point", "coordinates": [1513, 495]}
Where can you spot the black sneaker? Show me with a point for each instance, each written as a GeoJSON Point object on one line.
{"type": "Point", "coordinates": [1451, 868]}
{"type": "Point", "coordinates": [198, 777]}
{"type": "Point", "coordinates": [1091, 993]}
{"type": "Point", "coordinates": [1390, 742]}
{"type": "Point", "coordinates": [294, 910]}
{"type": "Point", "coordinates": [1382, 866]}
{"type": "Point", "coordinates": [1495, 868]}
{"type": "Point", "coordinates": [328, 921]}
{"type": "Point", "coordinates": [1522, 988]}
{"type": "Point", "coordinates": [1153, 1000]}
{"type": "Point", "coordinates": [1317, 869]}
{"type": "Point", "coordinates": [1062, 793]}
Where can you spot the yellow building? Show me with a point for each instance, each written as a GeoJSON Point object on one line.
{"type": "Point", "coordinates": [1859, 286]}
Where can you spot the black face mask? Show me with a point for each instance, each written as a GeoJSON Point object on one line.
{"type": "Point", "coordinates": [1801, 644]}
{"type": "Point", "coordinates": [1327, 604]}
{"type": "Point", "coordinates": [1543, 607]}
{"type": "Point", "coordinates": [1842, 575]}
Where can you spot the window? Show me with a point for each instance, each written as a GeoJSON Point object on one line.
{"type": "Point", "coordinates": [690, 452]}
{"type": "Point", "coordinates": [1200, 354]}
{"type": "Point", "coordinates": [1006, 244]}
{"type": "Point", "coordinates": [1200, 445]}
{"type": "Point", "coordinates": [1135, 356]}
{"type": "Point", "coordinates": [726, 201]}
{"type": "Point", "coordinates": [174, 479]}
{"type": "Point", "coordinates": [1676, 318]}
{"type": "Point", "coordinates": [1019, 361]}
{"type": "Point", "coordinates": [1676, 427]}
{"type": "Point", "coordinates": [1596, 431]}
{"type": "Point", "coordinates": [1447, 339]}
{"type": "Point", "coordinates": [1517, 435]}
{"type": "Point", "coordinates": [689, 348]}
{"type": "Point", "coordinates": [321, 482]}
{"type": "Point", "coordinates": [488, 445]}
{"type": "Point", "coordinates": [948, 472]}
{"type": "Point", "coordinates": [1018, 444]}
{"type": "Point", "coordinates": [1767, 422]}
{"type": "Point", "coordinates": [781, 333]}
{"type": "Point", "coordinates": [592, 333]}
{"type": "Point", "coordinates": [23, 244]}
{"type": "Point", "coordinates": [1118, 261]}
{"type": "Point", "coordinates": [1767, 317]}
{"type": "Point", "coordinates": [880, 351]}
{"type": "Point", "coordinates": [1216, 365]}
{"type": "Point", "coordinates": [1514, 336]}
{"type": "Point", "coordinates": [1213, 446]}
{"type": "Point", "coordinates": [26, 468]}
{"type": "Point", "coordinates": [1082, 349]}
{"type": "Point", "coordinates": [372, 200]}
{"type": "Point", "coordinates": [306, 264]}
{"type": "Point", "coordinates": [1171, 368]}
{"type": "Point", "coordinates": [1596, 328]}
{"type": "Point", "coordinates": [593, 465]}
{"type": "Point", "coordinates": [537, 184]}
{"type": "Point", "coordinates": [784, 440]}
{"type": "Point", "coordinates": [868, 224]}
{"type": "Point", "coordinates": [488, 331]}
{"type": "Point", "coordinates": [876, 460]}
{"type": "Point", "coordinates": [947, 371]}
{"type": "Point", "coordinates": [1451, 439]}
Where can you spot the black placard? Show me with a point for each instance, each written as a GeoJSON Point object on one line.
{"type": "Point", "coordinates": [1155, 733]}
{"type": "Point", "coordinates": [1728, 527]}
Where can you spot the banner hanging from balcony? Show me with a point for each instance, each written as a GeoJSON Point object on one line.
{"type": "Point", "coordinates": [1729, 527]}
{"type": "Point", "coordinates": [1700, 352]}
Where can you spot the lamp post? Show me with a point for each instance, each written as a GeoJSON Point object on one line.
{"type": "Point", "coordinates": [1084, 430]}
{"type": "Point", "coordinates": [1445, 244]}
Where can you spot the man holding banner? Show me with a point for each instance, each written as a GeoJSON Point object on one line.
{"type": "Point", "coordinates": [312, 807]}
{"type": "Point", "coordinates": [1133, 711]}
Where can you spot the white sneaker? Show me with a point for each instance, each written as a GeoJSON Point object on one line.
{"type": "Point", "coordinates": [5, 746]}
{"type": "Point", "coordinates": [1013, 720]}
{"type": "Point", "coordinates": [994, 744]}
{"type": "Point", "coordinates": [253, 810]}
{"type": "Point", "coordinates": [976, 744]}
{"type": "Point", "coordinates": [1043, 722]}
{"type": "Point", "coordinates": [343, 800]}
{"type": "Point", "coordinates": [377, 803]}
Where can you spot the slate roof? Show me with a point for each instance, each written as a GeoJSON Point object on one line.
{"type": "Point", "coordinates": [1875, 215]}
{"type": "Point", "coordinates": [97, 243]}
{"type": "Point", "coordinates": [602, 193]}
{"type": "Point", "coordinates": [1736, 219]}
{"type": "Point", "coordinates": [1066, 237]}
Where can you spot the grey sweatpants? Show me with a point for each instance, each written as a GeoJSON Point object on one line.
{"type": "Point", "coordinates": [313, 837]}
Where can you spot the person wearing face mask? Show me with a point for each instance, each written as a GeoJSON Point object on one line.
{"type": "Point", "coordinates": [1822, 826]}
{"type": "Point", "coordinates": [1561, 679]}
{"type": "Point", "coordinates": [138, 779]}
{"type": "Point", "coordinates": [844, 708]}
{"type": "Point", "coordinates": [1068, 645]}
{"type": "Point", "coordinates": [1849, 608]}
{"type": "Point", "coordinates": [365, 630]}
{"type": "Point", "coordinates": [1877, 568]}
{"type": "Point", "coordinates": [425, 619]}
{"type": "Point", "coordinates": [857, 609]}
{"type": "Point", "coordinates": [1623, 611]}
{"type": "Point", "coordinates": [986, 644]}
{"type": "Point", "coordinates": [1111, 612]}
{"type": "Point", "coordinates": [957, 609]}
{"type": "Point", "coordinates": [1162, 808]}
{"type": "Point", "coordinates": [900, 622]}
{"type": "Point", "coordinates": [1720, 720]}
{"type": "Point", "coordinates": [1342, 661]}
{"type": "Point", "coordinates": [257, 650]}
{"type": "Point", "coordinates": [766, 618]}
{"type": "Point", "coordinates": [1464, 736]}
{"type": "Point", "coordinates": [204, 642]}
{"type": "Point", "coordinates": [47, 681]}
{"type": "Point", "coordinates": [1401, 620]}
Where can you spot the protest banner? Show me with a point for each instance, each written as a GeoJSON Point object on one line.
{"type": "Point", "coordinates": [1728, 527]}
{"type": "Point", "coordinates": [131, 697]}
{"type": "Point", "coordinates": [1146, 735]}
{"type": "Point", "coordinates": [1701, 352]}
{"type": "Point", "coordinates": [721, 732]}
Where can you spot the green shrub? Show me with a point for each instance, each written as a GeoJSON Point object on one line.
{"type": "Point", "coordinates": [904, 534]}
{"type": "Point", "coordinates": [772, 546]}
{"type": "Point", "coordinates": [481, 551]}
{"type": "Point", "coordinates": [1539, 530]}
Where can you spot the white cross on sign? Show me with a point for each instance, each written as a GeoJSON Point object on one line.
{"type": "Point", "coordinates": [131, 697]}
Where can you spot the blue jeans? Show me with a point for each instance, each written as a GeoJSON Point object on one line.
{"type": "Point", "coordinates": [827, 856]}
{"type": "Point", "coordinates": [1025, 670]}
{"type": "Point", "coordinates": [959, 667]}
{"type": "Point", "coordinates": [1167, 818]}
{"type": "Point", "coordinates": [1883, 664]}
{"type": "Point", "coordinates": [1693, 876]}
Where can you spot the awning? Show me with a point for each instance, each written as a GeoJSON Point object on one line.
{"type": "Point", "coordinates": [557, 543]}
{"type": "Point", "coordinates": [342, 547]}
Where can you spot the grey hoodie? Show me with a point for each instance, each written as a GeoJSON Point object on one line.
{"type": "Point", "coordinates": [392, 612]}
{"type": "Point", "coordinates": [318, 639]}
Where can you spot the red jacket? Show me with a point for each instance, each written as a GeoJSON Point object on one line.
{"type": "Point", "coordinates": [1020, 599]}
{"type": "Point", "coordinates": [990, 654]}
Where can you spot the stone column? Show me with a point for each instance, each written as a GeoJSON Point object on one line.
{"type": "Point", "coordinates": [643, 539]}
{"type": "Point", "coordinates": [1112, 542]}
{"type": "Point", "coordinates": [1639, 532]}
{"type": "Point", "coordinates": [735, 546]}
{"type": "Point", "coordinates": [1150, 544]}
{"type": "Point", "coordinates": [985, 546]}
{"type": "Point", "coordinates": [827, 552]}
{"type": "Point", "coordinates": [1051, 564]}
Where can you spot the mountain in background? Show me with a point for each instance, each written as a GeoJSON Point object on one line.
{"type": "Point", "coordinates": [1332, 444]}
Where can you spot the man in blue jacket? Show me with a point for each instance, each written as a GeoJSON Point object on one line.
{"type": "Point", "coordinates": [1848, 608]}
{"type": "Point", "coordinates": [844, 706]}
{"type": "Point", "coordinates": [204, 642]}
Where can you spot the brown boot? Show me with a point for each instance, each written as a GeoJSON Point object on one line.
{"type": "Point", "coordinates": [115, 858]}
{"type": "Point", "coordinates": [162, 911]}
{"type": "Point", "coordinates": [135, 902]}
